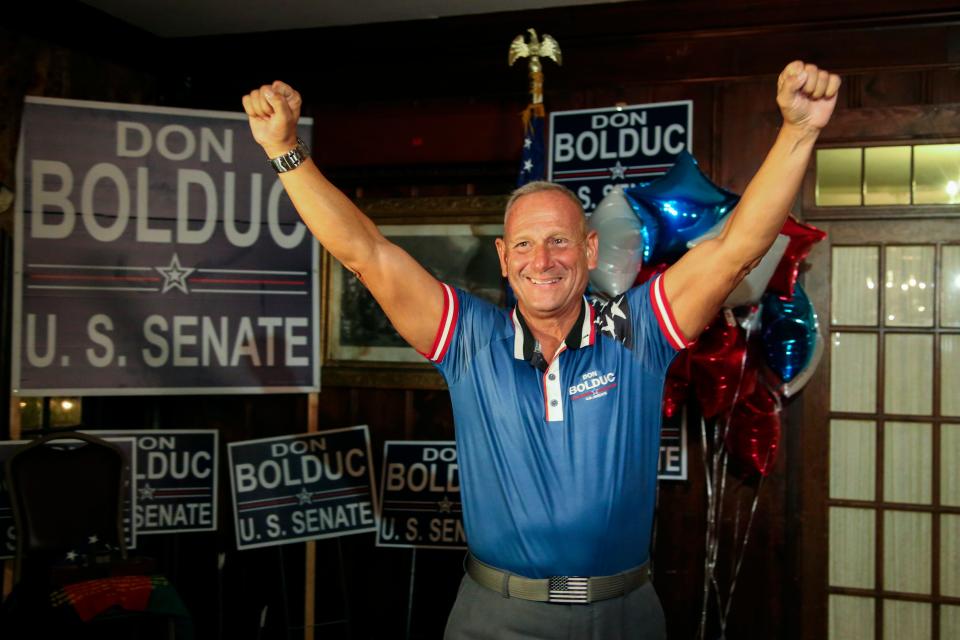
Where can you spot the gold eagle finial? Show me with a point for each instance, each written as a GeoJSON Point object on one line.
{"type": "Point", "coordinates": [535, 49]}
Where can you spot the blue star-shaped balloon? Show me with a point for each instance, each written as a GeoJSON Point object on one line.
{"type": "Point", "coordinates": [679, 206]}
{"type": "Point", "coordinates": [789, 331]}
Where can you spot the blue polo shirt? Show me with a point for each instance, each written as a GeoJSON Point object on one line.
{"type": "Point", "coordinates": [558, 462]}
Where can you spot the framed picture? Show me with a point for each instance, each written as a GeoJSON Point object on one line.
{"type": "Point", "coordinates": [453, 238]}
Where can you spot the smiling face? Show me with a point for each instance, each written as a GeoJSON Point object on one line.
{"type": "Point", "coordinates": [546, 254]}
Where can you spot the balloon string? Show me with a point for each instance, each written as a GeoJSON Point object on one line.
{"type": "Point", "coordinates": [701, 632]}
{"type": "Point", "coordinates": [741, 552]}
{"type": "Point", "coordinates": [733, 558]}
{"type": "Point", "coordinates": [720, 497]}
{"type": "Point", "coordinates": [743, 545]}
{"type": "Point", "coordinates": [719, 458]}
{"type": "Point", "coordinates": [743, 369]}
{"type": "Point", "coordinates": [715, 464]}
{"type": "Point", "coordinates": [715, 467]}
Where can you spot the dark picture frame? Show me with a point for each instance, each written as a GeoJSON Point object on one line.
{"type": "Point", "coordinates": [453, 237]}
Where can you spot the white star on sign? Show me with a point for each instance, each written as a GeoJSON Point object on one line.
{"type": "Point", "coordinates": [93, 539]}
{"type": "Point", "coordinates": [528, 165]}
{"type": "Point", "coordinates": [71, 555]}
{"type": "Point", "coordinates": [146, 492]}
{"type": "Point", "coordinates": [175, 276]}
{"type": "Point", "coordinates": [618, 171]}
{"type": "Point", "coordinates": [304, 497]}
{"type": "Point", "coordinates": [527, 143]}
{"type": "Point", "coordinates": [444, 505]}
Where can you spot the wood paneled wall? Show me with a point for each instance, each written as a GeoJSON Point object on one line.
{"type": "Point", "coordinates": [431, 108]}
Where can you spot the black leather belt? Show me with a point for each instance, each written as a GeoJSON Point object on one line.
{"type": "Point", "coordinates": [558, 589]}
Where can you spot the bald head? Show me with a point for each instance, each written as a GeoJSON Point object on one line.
{"type": "Point", "coordinates": [541, 186]}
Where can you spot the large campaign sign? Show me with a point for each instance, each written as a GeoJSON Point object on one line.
{"type": "Point", "coordinates": [156, 252]}
{"type": "Point", "coordinates": [302, 487]}
{"type": "Point", "coordinates": [594, 150]}
{"type": "Point", "coordinates": [420, 496]}
{"type": "Point", "coordinates": [8, 533]}
{"type": "Point", "coordinates": [176, 479]}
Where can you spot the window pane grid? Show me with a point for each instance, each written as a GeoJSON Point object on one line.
{"type": "Point", "coordinates": [908, 373]}
{"type": "Point", "coordinates": [909, 284]}
{"type": "Point", "coordinates": [948, 353]}
{"type": "Point", "coordinates": [855, 285]}
{"type": "Point", "coordinates": [936, 174]}
{"type": "Point", "coordinates": [927, 600]}
{"type": "Point", "coordinates": [888, 176]}
{"type": "Point", "coordinates": [949, 281]}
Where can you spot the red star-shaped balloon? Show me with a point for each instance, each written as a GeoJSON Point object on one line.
{"type": "Point", "coordinates": [676, 385]}
{"type": "Point", "coordinates": [802, 238]}
{"type": "Point", "coordinates": [753, 435]}
{"type": "Point", "coordinates": [647, 272]}
{"type": "Point", "coordinates": [719, 369]}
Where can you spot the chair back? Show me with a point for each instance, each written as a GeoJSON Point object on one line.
{"type": "Point", "coordinates": [66, 493]}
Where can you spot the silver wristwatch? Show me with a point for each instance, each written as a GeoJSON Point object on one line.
{"type": "Point", "coordinates": [291, 159]}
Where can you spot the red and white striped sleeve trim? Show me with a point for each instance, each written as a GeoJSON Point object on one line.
{"type": "Point", "coordinates": [664, 314]}
{"type": "Point", "coordinates": [448, 321]}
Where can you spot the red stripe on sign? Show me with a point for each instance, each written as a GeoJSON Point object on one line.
{"type": "Point", "coordinates": [235, 281]}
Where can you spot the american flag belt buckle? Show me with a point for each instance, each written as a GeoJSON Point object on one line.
{"type": "Point", "coordinates": [569, 590]}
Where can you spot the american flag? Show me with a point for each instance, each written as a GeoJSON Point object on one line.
{"type": "Point", "coordinates": [531, 166]}
{"type": "Point", "coordinates": [532, 157]}
{"type": "Point", "coordinates": [568, 589]}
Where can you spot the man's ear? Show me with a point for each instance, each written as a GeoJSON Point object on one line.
{"type": "Point", "coordinates": [592, 243]}
{"type": "Point", "coordinates": [502, 254]}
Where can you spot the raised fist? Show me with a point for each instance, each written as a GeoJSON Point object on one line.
{"type": "Point", "coordinates": [807, 95]}
{"type": "Point", "coordinates": [273, 111]}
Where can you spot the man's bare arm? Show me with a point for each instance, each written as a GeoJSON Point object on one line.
{"type": "Point", "coordinates": [408, 294]}
{"type": "Point", "coordinates": [701, 280]}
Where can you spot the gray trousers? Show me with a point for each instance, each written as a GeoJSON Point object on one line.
{"type": "Point", "coordinates": [482, 614]}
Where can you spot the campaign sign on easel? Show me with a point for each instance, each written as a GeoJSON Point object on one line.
{"type": "Point", "coordinates": [420, 496]}
{"type": "Point", "coordinates": [302, 487]}
{"type": "Point", "coordinates": [8, 534]}
{"type": "Point", "coordinates": [594, 150]}
{"type": "Point", "coordinates": [176, 481]}
{"type": "Point", "coordinates": [672, 464]}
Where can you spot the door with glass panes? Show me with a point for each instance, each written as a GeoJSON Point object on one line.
{"type": "Point", "coordinates": [881, 419]}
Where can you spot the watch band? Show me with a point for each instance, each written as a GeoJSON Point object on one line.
{"type": "Point", "coordinates": [291, 159]}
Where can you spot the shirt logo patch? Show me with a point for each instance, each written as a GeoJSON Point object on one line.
{"type": "Point", "coordinates": [593, 385]}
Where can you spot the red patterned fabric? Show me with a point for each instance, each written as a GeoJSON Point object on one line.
{"type": "Point", "coordinates": [92, 597]}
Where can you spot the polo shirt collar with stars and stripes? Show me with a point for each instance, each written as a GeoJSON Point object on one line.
{"type": "Point", "coordinates": [526, 347]}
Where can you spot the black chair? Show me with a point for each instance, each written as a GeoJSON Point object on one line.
{"type": "Point", "coordinates": [72, 571]}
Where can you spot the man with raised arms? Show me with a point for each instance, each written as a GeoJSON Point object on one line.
{"type": "Point", "coordinates": [557, 401]}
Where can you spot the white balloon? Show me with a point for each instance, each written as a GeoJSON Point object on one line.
{"type": "Point", "coordinates": [620, 245]}
{"type": "Point", "coordinates": [751, 289]}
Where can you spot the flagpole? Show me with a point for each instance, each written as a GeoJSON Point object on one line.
{"type": "Point", "coordinates": [532, 156]}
